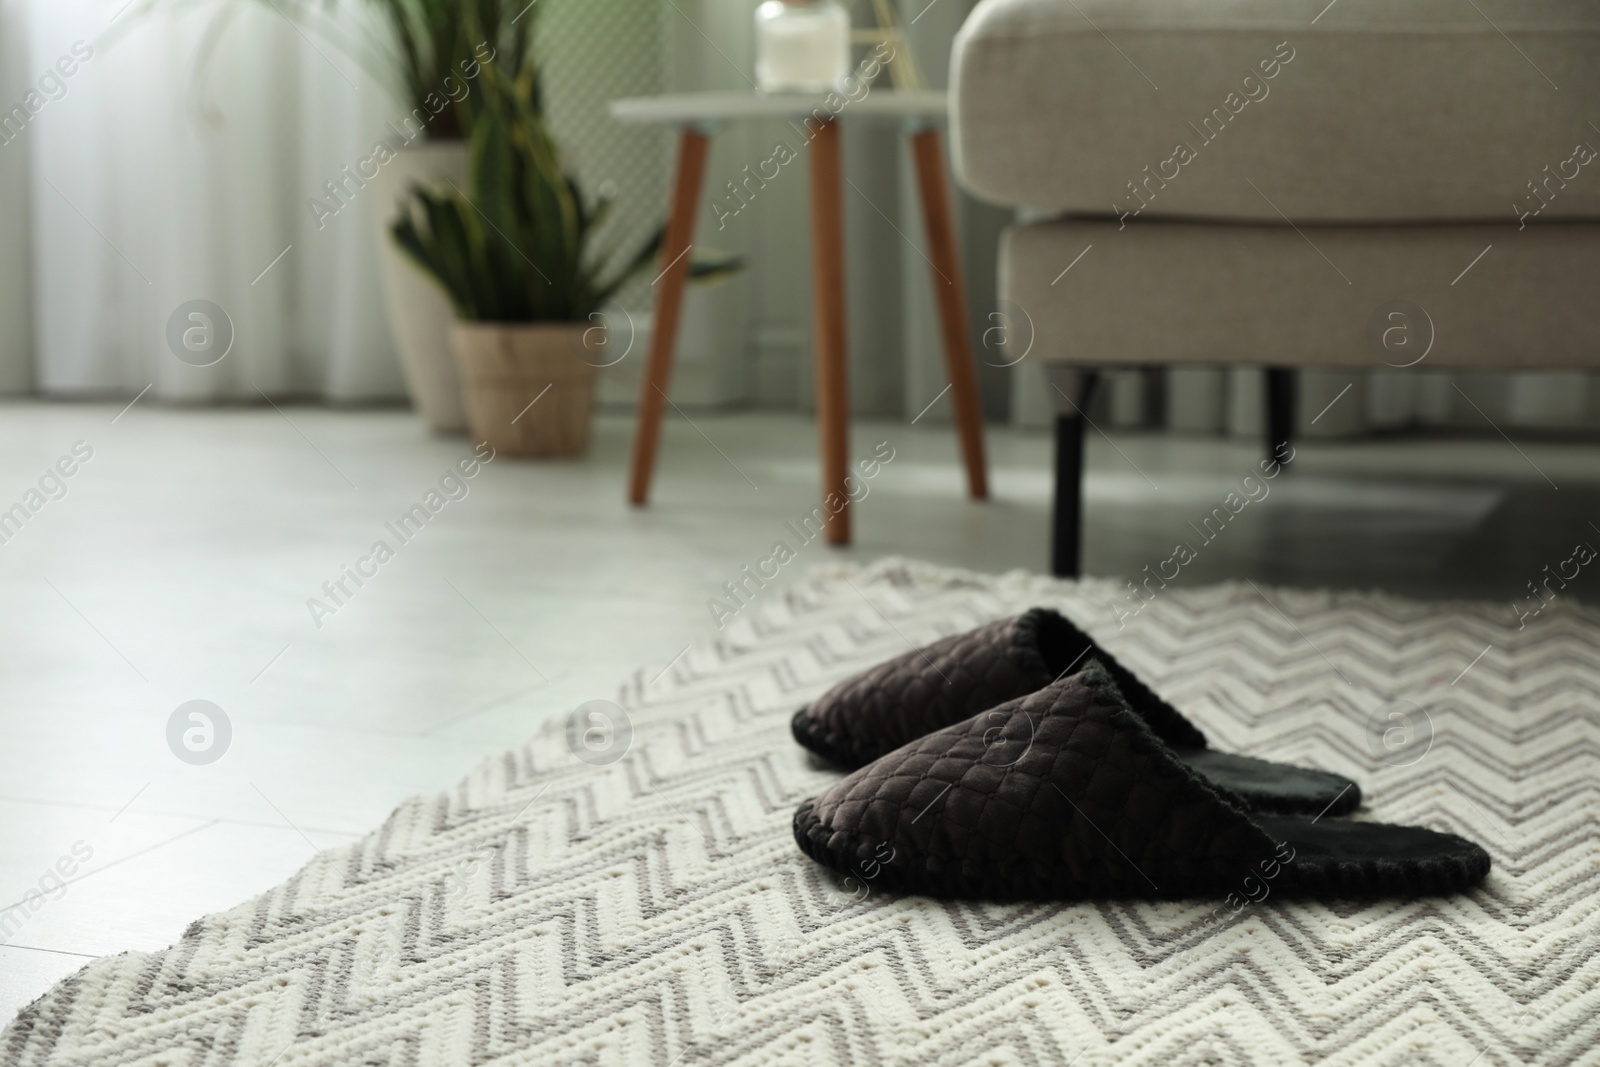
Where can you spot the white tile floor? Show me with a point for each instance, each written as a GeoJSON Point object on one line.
{"type": "Point", "coordinates": [179, 562]}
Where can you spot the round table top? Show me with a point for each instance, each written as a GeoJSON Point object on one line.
{"type": "Point", "coordinates": [745, 104]}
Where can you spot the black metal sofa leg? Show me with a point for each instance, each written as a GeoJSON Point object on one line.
{"type": "Point", "coordinates": [1074, 390]}
{"type": "Point", "coordinates": [1280, 409]}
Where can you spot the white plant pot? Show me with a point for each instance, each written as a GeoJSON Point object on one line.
{"type": "Point", "coordinates": [419, 315]}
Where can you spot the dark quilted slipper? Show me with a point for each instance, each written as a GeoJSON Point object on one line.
{"type": "Point", "coordinates": [881, 709]}
{"type": "Point", "coordinates": [1068, 794]}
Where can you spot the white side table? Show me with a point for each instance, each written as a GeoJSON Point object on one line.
{"type": "Point", "coordinates": [698, 114]}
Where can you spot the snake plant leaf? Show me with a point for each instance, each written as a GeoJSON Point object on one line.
{"type": "Point", "coordinates": [711, 265]}
{"type": "Point", "coordinates": [517, 244]}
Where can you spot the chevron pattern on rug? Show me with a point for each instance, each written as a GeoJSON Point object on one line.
{"type": "Point", "coordinates": [656, 910]}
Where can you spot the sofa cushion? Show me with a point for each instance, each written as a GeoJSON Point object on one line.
{"type": "Point", "coordinates": [1358, 110]}
{"type": "Point", "coordinates": [1368, 297]}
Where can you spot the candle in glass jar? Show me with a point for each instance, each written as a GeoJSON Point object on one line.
{"type": "Point", "coordinates": [802, 45]}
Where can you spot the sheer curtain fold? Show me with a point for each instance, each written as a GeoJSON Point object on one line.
{"type": "Point", "coordinates": [146, 188]}
{"type": "Point", "coordinates": [16, 360]}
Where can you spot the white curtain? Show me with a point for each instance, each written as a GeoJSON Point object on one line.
{"type": "Point", "coordinates": [129, 191]}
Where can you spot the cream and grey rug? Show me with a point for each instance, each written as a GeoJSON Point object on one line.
{"type": "Point", "coordinates": [653, 909]}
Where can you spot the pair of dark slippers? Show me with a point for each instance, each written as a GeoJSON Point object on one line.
{"type": "Point", "coordinates": [1021, 761]}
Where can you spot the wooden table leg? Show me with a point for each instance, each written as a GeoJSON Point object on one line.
{"type": "Point", "coordinates": [669, 301]}
{"type": "Point", "coordinates": [951, 294]}
{"type": "Point", "coordinates": [827, 272]}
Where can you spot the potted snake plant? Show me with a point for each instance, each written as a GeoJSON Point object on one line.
{"type": "Point", "coordinates": [438, 53]}
{"type": "Point", "coordinates": [512, 251]}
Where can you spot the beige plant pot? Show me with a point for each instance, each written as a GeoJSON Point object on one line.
{"type": "Point", "coordinates": [528, 386]}
{"type": "Point", "coordinates": [419, 315]}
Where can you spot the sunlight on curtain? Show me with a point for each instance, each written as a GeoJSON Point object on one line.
{"type": "Point", "coordinates": [147, 188]}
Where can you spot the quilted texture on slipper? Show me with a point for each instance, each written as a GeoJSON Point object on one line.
{"type": "Point", "coordinates": [927, 689]}
{"type": "Point", "coordinates": [1066, 794]}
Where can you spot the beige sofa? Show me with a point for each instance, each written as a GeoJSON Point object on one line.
{"type": "Point", "coordinates": [1366, 183]}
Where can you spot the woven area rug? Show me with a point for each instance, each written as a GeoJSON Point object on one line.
{"type": "Point", "coordinates": [655, 909]}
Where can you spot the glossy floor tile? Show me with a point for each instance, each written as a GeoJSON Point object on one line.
{"type": "Point", "coordinates": [198, 554]}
